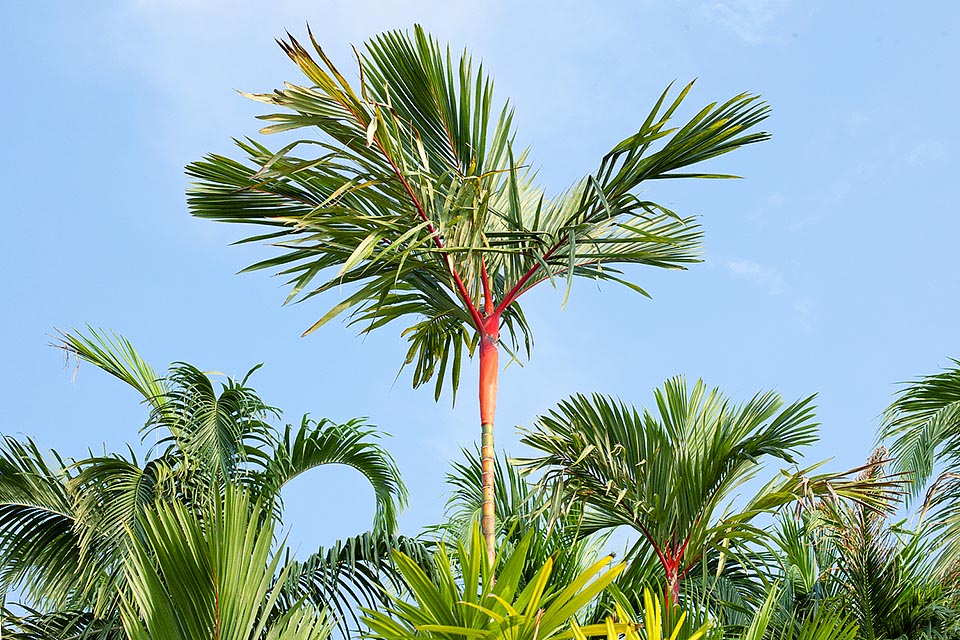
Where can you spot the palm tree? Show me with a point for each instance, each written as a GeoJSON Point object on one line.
{"type": "Point", "coordinates": [668, 473]}
{"type": "Point", "coordinates": [923, 428]}
{"type": "Point", "coordinates": [416, 201]}
{"type": "Point", "coordinates": [65, 525]}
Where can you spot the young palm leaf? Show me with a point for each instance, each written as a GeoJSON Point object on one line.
{"type": "Point", "coordinates": [211, 575]}
{"type": "Point", "coordinates": [415, 201]}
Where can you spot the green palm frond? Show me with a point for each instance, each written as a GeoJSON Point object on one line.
{"type": "Point", "coordinates": [353, 444]}
{"type": "Point", "coordinates": [40, 541]}
{"type": "Point", "coordinates": [923, 423]}
{"type": "Point", "coordinates": [115, 355]}
{"type": "Point", "coordinates": [211, 576]}
{"type": "Point", "coordinates": [112, 493]}
{"type": "Point", "coordinates": [30, 624]}
{"type": "Point", "coordinates": [352, 573]}
{"type": "Point", "coordinates": [412, 198]}
{"type": "Point", "coordinates": [922, 426]}
{"type": "Point", "coordinates": [222, 434]}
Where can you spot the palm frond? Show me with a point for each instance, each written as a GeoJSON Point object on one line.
{"type": "Point", "coordinates": [211, 576]}
{"type": "Point", "coordinates": [30, 624]}
{"type": "Point", "coordinates": [40, 537]}
{"type": "Point", "coordinates": [115, 355]}
{"type": "Point", "coordinates": [355, 573]}
{"type": "Point", "coordinates": [221, 434]}
{"type": "Point", "coordinates": [353, 444]}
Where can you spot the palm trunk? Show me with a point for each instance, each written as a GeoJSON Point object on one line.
{"type": "Point", "coordinates": [489, 372]}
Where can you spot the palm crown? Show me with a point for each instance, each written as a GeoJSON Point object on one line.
{"type": "Point", "coordinates": [416, 196]}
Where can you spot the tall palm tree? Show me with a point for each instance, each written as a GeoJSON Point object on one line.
{"type": "Point", "coordinates": [65, 525]}
{"type": "Point", "coordinates": [670, 473]}
{"type": "Point", "coordinates": [414, 198]}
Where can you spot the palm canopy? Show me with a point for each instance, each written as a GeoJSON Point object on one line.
{"type": "Point", "coordinates": [669, 472]}
{"type": "Point", "coordinates": [415, 196]}
{"type": "Point", "coordinates": [65, 525]}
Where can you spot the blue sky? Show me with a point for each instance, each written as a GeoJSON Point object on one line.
{"type": "Point", "coordinates": [830, 269]}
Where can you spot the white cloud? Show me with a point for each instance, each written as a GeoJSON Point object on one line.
{"type": "Point", "coordinates": [763, 276]}
{"type": "Point", "coordinates": [926, 151]}
{"type": "Point", "coordinates": [753, 21]}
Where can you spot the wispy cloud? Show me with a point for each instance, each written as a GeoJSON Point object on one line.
{"type": "Point", "coordinates": [753, 21]}
{"type": "Point", "coordinates": [761, 275]}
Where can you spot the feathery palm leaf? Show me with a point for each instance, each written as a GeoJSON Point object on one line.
{"type": "Point", "coordinates": [30, 624]}
{"type": "Point", "coordinates": [923, 428]}
{"type": "Point", "coordinates": [924, 424]}
{"type": "Point", "coordinates": [352, 573]}
{"type": "Point", "coordinates": [40, 544]}
{"type": "Point", "coordinates": [353, 443]}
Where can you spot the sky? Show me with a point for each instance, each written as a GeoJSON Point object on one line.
{"type": "Point", "coordinates": [829, 269]}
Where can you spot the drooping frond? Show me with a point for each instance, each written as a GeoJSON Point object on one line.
{"type": "Point", "coordinates": [115, 355]}
{"type": "Point", "coordinates": [923, 425]}
{"type": "Point", "coordinates": [40, 540]}
{"type": "Point", "coordinates": [30, 624]}
{"type": "Point", "coordinates": [353, 444]}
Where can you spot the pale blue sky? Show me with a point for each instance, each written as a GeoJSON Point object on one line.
{"type": "Point", "coordinates": [832, 268]}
